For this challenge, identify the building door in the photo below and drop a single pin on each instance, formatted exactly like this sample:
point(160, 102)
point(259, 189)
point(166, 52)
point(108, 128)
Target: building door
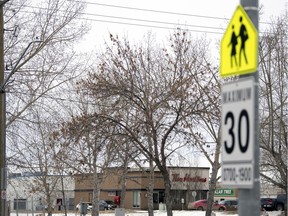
point(136, 199)
point(59, 204)
point(156, 200)
point(156, 197)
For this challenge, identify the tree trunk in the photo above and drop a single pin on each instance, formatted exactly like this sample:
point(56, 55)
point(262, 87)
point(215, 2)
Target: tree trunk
point(64, 196)
point(213, 180)
point(150, 200)
point(212, 187)
point(49, 206)
point(123, 184)
point(168, 198)
point(150, 190)
point(96, 192)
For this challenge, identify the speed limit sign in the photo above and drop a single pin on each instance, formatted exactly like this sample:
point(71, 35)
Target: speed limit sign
point(237, 133)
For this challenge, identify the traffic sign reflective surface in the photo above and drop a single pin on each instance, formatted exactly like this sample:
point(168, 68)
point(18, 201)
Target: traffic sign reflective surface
point(239, 46)
point(237, 133)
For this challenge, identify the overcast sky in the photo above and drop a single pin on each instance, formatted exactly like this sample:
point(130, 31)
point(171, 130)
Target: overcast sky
point(134, 18)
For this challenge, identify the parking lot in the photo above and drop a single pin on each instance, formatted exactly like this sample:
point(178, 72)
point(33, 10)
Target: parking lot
point(156, 213)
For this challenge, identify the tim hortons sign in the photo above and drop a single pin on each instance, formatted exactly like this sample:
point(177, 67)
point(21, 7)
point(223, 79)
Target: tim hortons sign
point(187, 178)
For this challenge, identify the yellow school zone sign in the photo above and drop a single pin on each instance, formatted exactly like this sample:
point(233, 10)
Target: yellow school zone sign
point(239, 46)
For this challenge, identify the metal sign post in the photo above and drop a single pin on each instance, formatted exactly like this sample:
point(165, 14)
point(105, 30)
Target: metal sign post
point(240, 108)
point(249, 199)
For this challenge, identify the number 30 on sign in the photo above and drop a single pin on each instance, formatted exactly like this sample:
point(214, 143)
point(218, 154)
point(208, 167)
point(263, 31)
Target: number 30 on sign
point(237, 136)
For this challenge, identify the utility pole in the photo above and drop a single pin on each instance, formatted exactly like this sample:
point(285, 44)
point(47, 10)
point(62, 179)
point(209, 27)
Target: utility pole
point(3, 82)
point(3, 169)
point(249, 199)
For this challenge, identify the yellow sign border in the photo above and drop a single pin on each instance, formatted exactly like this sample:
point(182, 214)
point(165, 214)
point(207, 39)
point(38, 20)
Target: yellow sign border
point(254, 66)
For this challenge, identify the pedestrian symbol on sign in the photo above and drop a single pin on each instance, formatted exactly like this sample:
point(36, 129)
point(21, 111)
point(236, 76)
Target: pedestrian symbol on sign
point(236, 59)
point(233, 43)
point(243, 36)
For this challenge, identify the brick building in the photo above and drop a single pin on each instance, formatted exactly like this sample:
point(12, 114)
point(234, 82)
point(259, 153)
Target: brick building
point(185, 180)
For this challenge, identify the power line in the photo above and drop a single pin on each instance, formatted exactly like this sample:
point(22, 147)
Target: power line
point(141, 20)
point(131, 8)
point(164, 12)
point(152, 21)
point(140, 9)
point(151, 26)
point(177, 25)
point(138, 20)
point(146, 25)
point(155, 11)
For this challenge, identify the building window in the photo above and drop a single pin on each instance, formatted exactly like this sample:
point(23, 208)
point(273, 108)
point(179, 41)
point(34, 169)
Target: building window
point(20, 204)
point(159, 197)
point(136, 199)
point(112, 193)
point(178, 195)
point(162, 196)
point(71, 204)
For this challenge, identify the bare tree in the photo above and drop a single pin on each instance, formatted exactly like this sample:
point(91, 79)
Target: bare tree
point(35, 156)
point(39, 55)
point(86, 146)
point(127, 156)
point(40, 60)
point(273, 66)
point(206, 129)
point(154, 85)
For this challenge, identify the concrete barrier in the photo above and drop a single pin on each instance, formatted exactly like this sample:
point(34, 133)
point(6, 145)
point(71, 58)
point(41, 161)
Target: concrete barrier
point(119, 212)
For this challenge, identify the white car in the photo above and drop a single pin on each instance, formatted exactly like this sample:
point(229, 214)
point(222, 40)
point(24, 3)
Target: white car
point(102, 206)
point(89, 206)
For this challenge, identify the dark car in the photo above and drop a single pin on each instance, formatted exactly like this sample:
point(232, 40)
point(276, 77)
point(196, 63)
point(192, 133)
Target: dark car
point(268, 203)
point(281, 202)
point(231, 205)
point(103, 205)
point(111, 204)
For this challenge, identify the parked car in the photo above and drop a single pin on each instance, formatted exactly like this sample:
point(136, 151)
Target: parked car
point(268, 203)
point(89, 206)
point(230, 205)
point(111, 204)
point(43, 208)
point(281, 202)
point(103, 205)
point(202, 205)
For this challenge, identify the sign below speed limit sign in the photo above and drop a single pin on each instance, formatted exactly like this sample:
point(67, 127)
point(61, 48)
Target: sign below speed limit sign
point(237, 133)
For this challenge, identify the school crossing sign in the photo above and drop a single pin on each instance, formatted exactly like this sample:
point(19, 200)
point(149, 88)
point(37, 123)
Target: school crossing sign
point(239, 46)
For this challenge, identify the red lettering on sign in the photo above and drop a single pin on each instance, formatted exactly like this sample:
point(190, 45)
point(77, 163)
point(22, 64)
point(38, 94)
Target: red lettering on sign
point(187, 178)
